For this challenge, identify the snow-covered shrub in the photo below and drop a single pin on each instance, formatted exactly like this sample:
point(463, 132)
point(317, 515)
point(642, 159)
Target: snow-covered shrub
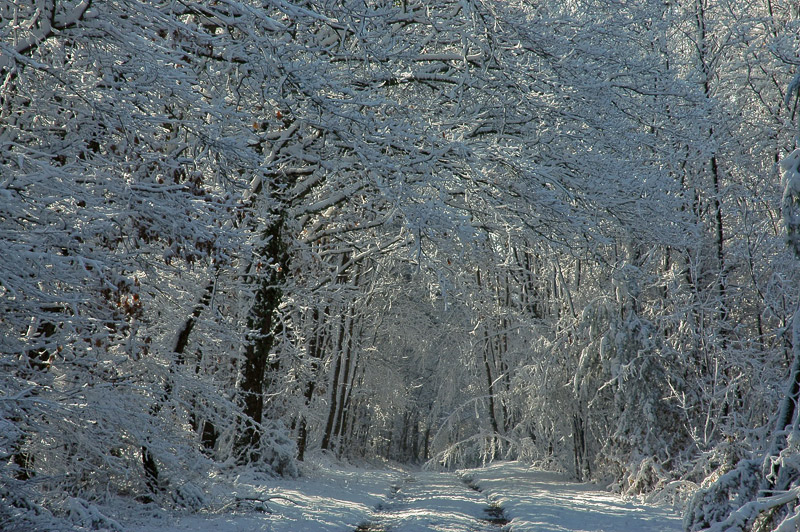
point(763, 494)
point(622, 379)
point(716, 500)
point(279, 450)
point(85, 514)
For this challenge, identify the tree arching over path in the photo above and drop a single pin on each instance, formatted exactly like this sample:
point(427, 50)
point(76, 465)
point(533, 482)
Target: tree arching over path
point(449, 231)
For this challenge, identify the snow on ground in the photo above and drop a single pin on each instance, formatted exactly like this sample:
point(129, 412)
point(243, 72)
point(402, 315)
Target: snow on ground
point(536, 501)
point(433, 502)
point(327, 498)
point(336, 498)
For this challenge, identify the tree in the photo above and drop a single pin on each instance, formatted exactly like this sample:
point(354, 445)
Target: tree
point(120, 181)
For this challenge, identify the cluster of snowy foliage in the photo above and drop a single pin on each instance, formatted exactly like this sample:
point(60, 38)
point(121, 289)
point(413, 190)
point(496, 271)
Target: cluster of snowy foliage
point(762, 493)
point(123, 170)
point(235, 231)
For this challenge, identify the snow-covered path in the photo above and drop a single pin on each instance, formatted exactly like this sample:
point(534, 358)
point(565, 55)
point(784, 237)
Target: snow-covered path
point(538, 501)
point(336, 499)
point(433, 502)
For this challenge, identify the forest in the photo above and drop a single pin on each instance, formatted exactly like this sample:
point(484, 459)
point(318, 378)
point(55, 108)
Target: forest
point(234, 233)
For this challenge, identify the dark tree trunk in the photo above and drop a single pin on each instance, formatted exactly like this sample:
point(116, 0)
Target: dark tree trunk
point(328, 435)
point(150, 470)
point(344, 389)
point(315, 353)
point(333, 407)
point(188, 326)
point(208, 436)
point(415, 440)
point(490, 386)
point(261, 324)
point(489, 381)
point(348, 418)
point(776, 478)
point(582, 466)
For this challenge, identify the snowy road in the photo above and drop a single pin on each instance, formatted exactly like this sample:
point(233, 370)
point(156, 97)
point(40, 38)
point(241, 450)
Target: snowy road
point(333, 498)
point(538, 501)
point(434, 502)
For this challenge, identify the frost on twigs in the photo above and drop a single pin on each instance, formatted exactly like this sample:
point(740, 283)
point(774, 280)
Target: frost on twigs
point(790, 205)
point(713, 503)
point(762, 493)
point(189, 495)
point(83, 513)
point(277, 451)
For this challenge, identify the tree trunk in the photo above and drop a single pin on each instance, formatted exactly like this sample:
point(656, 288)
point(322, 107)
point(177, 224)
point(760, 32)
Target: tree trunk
point(182, 339)
point(151, 477)
point(776, 478)
point(332, 409)
point(315, 354)
point(490, 383)
point(346, 407)
point(582, 465)
point(261, 324)
point(208, 433)
point(344, 388)
point(487, 343)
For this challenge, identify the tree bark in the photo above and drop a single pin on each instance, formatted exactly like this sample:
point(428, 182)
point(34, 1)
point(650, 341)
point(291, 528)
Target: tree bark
point(332, 409)
point(487, 343)
point(344, 388)
point(315, 354)
point(261, 322)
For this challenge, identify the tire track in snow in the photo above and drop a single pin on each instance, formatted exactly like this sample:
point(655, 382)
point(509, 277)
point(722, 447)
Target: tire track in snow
point(434, 502)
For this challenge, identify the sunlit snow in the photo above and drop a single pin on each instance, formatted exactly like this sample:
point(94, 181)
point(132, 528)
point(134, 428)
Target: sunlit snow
point(537, 501)
point(336, 498)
